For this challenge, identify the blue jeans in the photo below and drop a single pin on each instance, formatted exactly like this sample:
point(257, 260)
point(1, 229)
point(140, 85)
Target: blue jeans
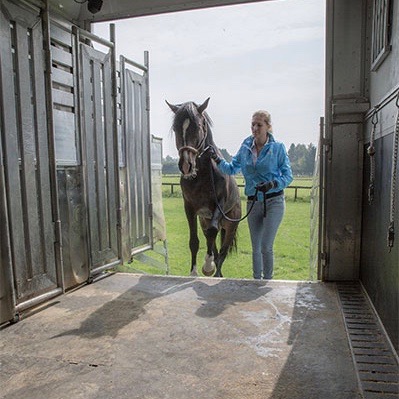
point(263, 231)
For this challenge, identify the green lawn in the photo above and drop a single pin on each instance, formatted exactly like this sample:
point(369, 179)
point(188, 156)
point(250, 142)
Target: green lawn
point(291, 246)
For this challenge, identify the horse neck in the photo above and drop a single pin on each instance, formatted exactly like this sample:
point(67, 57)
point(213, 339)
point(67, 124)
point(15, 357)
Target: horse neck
point(209, 138)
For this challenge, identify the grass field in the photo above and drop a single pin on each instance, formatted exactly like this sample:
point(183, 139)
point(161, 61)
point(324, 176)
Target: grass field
point(291, 246)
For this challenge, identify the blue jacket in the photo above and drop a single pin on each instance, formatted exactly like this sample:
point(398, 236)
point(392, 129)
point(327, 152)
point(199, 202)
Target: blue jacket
point(272, 164)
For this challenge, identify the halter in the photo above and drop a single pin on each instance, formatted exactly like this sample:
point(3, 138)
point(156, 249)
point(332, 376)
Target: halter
point(196, 151)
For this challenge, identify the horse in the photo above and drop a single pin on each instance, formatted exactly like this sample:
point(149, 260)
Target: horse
point(208, 194)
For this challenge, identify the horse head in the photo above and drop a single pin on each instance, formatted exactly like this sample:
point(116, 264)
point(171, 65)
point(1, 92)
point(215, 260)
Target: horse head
point(190, 125)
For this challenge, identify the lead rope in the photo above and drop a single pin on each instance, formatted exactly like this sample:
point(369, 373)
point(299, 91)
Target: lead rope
point(371, 153)
point(216, 198)
point(220, 208)
point(391, 227)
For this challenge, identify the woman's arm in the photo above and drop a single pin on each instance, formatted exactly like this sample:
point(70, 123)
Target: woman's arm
point(230, 168)
point(284, 164)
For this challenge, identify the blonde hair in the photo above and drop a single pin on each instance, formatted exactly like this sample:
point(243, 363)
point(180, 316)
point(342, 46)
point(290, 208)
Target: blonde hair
point(266, 117)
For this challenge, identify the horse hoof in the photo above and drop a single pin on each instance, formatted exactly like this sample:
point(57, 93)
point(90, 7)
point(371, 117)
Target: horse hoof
point(208, 272)
point(209, 267)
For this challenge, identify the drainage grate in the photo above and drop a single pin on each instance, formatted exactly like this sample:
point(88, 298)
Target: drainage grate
point(376, 364)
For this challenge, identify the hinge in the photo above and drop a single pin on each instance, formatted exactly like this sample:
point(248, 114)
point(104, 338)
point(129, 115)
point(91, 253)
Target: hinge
point(323, 259)
point(326, 143)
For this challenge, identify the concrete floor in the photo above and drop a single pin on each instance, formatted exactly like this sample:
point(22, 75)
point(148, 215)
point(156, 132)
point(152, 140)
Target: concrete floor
point(135, 336)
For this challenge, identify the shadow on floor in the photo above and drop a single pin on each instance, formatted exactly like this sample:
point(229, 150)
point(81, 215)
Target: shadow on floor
point(131, 304)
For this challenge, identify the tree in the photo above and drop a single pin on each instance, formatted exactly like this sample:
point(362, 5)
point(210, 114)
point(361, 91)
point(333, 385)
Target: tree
point(302, 159)
point(170, 166)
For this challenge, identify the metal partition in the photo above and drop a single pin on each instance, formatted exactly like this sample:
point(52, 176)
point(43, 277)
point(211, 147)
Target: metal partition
point(27, 159)
point(99, 152)
point(136, 152)
point(60, 157)
point(67, 137)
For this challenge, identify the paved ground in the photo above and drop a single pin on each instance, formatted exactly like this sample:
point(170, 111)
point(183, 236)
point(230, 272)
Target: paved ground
point(134, 336)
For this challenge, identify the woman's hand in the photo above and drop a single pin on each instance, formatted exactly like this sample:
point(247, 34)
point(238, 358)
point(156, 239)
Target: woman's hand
point(265, 186)
point(211, 153)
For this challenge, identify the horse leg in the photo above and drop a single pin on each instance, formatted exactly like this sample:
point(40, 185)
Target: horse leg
point(194, 241)
point(208, 268)
point(214, 223)
point(228, 234)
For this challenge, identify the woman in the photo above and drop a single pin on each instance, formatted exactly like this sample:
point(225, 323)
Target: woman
point(267, 171)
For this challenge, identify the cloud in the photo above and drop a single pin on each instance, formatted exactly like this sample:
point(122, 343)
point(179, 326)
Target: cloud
point(263, 55)
point(190, 36)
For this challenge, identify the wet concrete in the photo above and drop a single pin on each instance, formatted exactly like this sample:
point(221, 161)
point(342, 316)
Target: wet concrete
point(135, 336)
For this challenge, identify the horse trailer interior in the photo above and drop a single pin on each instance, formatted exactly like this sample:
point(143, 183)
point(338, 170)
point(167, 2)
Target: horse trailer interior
point(76, 198)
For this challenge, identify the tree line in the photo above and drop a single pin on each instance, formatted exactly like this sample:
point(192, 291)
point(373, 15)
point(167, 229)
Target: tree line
point(302, 158)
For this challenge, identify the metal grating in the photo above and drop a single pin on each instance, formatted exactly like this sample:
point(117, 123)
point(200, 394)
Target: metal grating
point(374, 358)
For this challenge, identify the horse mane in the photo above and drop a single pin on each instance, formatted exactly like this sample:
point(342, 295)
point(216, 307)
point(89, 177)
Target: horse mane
point(190, 110)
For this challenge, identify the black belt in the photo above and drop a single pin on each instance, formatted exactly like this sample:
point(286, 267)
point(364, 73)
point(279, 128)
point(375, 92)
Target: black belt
point(270, 195)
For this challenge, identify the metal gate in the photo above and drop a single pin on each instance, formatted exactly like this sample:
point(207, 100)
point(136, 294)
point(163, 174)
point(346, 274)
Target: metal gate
point(25, 147)
point(59, 157)
point(100, 155)
point(136, 139)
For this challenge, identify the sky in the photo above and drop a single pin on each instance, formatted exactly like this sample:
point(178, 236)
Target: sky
point(266, 55)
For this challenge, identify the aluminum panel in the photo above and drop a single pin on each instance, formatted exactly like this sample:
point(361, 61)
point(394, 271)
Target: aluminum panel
point(100, 162)
point(26, 159)
point(74, 230)
point(137, 139)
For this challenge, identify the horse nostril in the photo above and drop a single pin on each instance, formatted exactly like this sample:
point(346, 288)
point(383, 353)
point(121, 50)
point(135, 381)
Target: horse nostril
point(185, 167)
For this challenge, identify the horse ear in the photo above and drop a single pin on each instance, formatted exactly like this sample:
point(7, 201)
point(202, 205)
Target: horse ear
point(203, 106)
point(174, 108)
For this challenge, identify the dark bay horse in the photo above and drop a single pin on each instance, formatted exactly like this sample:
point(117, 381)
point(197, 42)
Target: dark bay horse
point(201, 182)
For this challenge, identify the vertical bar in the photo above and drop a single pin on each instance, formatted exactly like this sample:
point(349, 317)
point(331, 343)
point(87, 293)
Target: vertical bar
point(59, 264)
point(26, 151)
point(322, 193)
point(139, 162)
point(82, 139)
point(99, 133)
point(112, 34)
point(147, 88)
